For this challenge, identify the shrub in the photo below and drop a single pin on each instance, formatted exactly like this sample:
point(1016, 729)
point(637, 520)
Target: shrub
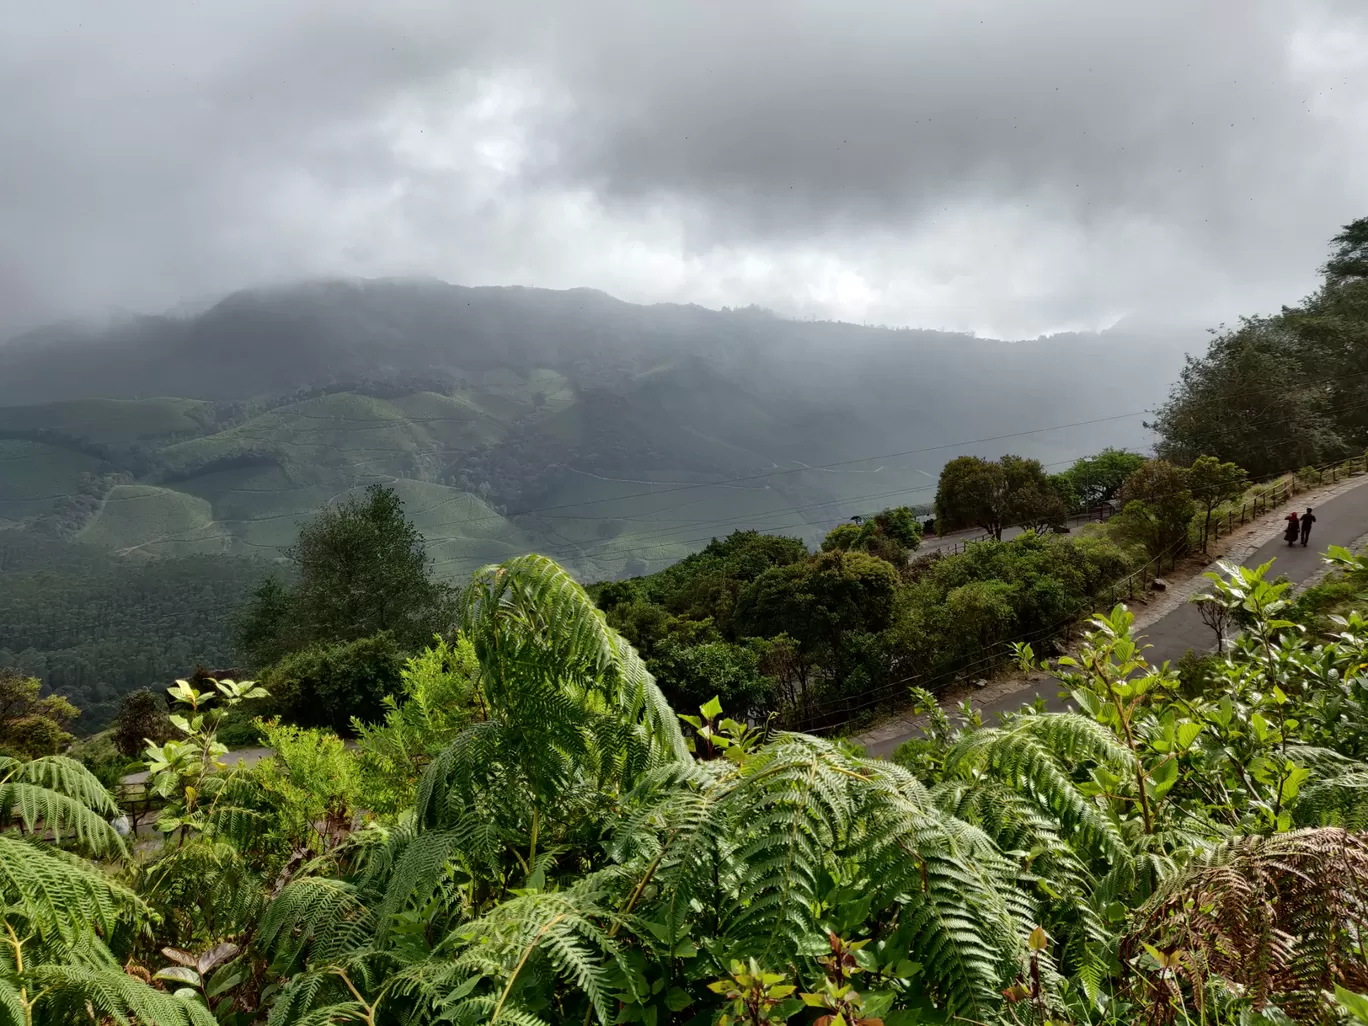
point(327, 685)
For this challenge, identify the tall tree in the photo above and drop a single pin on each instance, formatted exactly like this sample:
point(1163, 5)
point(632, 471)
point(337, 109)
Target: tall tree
point(360, 568)
point(995, 494)
point(1099, 478)
point(1256, 398)
point(1158, 506)
point(1283, 391)
point(1212, 483)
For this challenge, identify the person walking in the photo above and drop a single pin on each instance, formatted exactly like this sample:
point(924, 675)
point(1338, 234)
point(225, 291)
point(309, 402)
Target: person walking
point(1306, 521)
point(1293, 529)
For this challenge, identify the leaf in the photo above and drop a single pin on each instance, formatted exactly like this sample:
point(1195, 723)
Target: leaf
point(225, 983)
point(179, 973)
point(876, 1003)
point(1355, 1004)
point(1165, 775)
point(676, 999)
point(180, 955)
point(1037, 941)
point(216, 956)
point(712, 708)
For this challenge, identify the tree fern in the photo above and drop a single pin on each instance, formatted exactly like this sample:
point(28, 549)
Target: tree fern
point(60, 909)
point(529, 620)
point(1277, 916)
point(322, 916)
point(59, 796)
point(1039, 754)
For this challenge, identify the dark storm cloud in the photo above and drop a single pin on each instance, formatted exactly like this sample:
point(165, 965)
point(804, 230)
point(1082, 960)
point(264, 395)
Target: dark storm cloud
point(1010, 166)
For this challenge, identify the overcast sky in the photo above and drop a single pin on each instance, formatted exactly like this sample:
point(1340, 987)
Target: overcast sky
point(1010, 167)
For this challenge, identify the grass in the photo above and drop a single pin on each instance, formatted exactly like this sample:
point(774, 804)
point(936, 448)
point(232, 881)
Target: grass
point(152, 521)
point(461, 531)
point(112, 420)
point(34, 477)
point(364, 435)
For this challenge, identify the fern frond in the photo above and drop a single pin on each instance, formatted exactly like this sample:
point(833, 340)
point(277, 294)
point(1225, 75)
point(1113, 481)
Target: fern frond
point(113, 993)
point(1278, 916)
point(530, 613)
point(60, 895)
point(41, 809)
point(66, 777)
point(1038, 754)
point(321, 915)
point(1339, 801)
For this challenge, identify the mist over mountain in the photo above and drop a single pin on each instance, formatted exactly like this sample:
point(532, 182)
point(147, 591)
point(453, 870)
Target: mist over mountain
point(875, 382)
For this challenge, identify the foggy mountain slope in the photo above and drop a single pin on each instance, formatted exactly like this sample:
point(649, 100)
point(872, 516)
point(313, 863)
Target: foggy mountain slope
point(611, 435)
point(270, 341)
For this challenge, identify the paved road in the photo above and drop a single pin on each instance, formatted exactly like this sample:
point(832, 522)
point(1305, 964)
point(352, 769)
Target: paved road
point(1339, 521)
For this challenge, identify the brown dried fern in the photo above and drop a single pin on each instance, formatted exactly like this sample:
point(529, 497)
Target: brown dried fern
point(1277, 918)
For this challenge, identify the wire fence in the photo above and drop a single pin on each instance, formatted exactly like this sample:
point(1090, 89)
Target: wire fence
point(834, 714)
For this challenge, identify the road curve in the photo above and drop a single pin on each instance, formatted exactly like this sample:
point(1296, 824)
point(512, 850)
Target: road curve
point(1340, 520)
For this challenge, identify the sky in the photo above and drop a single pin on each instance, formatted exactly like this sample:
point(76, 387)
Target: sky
point(1012, 168)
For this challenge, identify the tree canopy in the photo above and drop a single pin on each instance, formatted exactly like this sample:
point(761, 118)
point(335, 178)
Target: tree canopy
point(1283, 390)
point(1099, 478)
point(995, 494)
point(358, 569)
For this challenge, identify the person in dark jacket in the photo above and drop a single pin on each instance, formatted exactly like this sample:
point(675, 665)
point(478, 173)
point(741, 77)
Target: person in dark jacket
point(1306, 521)
point(1293, 529)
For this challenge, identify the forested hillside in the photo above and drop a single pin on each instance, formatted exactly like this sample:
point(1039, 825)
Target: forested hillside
point(616, 438)
point(506, 798)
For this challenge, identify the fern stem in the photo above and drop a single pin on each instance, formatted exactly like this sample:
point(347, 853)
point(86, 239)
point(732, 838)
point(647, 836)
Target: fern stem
point(508, 988)
point(532, 848)
point(369, 1008)
point(18, 947)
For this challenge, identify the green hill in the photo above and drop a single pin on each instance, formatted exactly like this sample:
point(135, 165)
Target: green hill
point(35, 477)
point(149, 521)
point(615, 438)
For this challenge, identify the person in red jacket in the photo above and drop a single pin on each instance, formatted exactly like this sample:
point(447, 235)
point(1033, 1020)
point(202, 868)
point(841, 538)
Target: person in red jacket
point(1293, 531)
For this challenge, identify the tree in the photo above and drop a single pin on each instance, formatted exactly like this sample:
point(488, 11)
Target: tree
point(971, 492)
point(690, 675)
point(1158, 507)
point(32, 725)
point(1212, 483)
point(142, 718)
point(263, 626)
point(1350, 259)
point(827, 604)
point(360, 568)
point(1283, 391)
point(993, 495)
point(1256, 398)
point(891, 534)
point(1099, 478)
